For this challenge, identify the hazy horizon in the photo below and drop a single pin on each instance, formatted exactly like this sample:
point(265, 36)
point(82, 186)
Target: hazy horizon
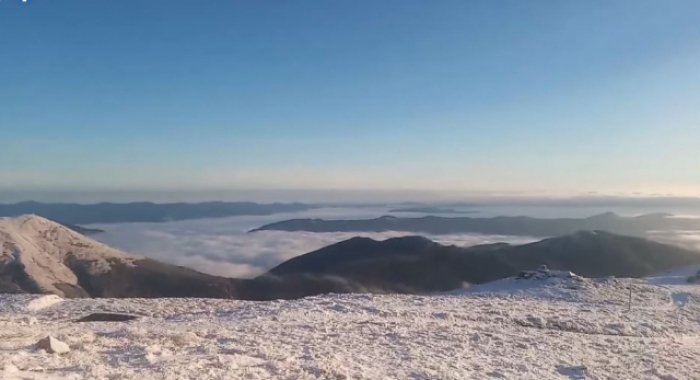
point(368, 197)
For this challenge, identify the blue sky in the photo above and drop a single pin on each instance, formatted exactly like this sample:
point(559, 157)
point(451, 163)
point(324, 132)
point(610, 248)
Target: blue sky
point(536, 97)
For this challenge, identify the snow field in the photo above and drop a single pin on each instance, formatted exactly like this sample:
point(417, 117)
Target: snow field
point(546, 330)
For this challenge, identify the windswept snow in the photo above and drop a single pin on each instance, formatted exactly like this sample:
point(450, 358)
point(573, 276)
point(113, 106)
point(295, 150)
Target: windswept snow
point(42, 302)
point(549, 330)
point(42, 247)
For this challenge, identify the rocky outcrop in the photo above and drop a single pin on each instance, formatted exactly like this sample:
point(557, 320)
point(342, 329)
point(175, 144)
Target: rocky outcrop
point(52, 346)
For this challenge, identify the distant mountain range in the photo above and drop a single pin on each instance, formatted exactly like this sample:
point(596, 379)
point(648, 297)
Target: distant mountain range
point(501, 225)
point(72, 213)
point(432, 210)
point(41, 256)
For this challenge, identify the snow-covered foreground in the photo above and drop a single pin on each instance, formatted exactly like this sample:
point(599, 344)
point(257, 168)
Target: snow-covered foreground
point(513, 329)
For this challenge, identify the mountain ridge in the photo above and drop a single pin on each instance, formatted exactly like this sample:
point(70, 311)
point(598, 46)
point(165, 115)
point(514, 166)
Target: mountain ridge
point(499, 225)
point(429, 266)
point(107, 212)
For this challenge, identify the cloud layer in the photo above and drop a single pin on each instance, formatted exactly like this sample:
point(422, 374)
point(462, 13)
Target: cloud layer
point(223, 246)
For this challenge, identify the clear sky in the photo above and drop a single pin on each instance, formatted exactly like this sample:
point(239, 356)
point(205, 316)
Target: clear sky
point(518, 97)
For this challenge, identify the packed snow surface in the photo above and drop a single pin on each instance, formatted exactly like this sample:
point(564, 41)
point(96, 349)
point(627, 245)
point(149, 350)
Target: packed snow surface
point(553, 328)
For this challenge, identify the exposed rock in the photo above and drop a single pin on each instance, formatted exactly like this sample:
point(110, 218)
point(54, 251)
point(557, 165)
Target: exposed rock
point(543, 273)
point(29, 320)
point(107, 317)
point(52, 345)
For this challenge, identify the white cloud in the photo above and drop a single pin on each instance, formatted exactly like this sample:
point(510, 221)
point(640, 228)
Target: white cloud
point(223, 246)
point(689, 239)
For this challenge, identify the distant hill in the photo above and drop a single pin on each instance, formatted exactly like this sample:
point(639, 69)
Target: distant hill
point(71, 213)
point(501, 225)
point(416, 265)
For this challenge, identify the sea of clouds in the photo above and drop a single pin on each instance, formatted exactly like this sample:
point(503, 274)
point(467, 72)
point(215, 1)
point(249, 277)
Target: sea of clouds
point(224, 246)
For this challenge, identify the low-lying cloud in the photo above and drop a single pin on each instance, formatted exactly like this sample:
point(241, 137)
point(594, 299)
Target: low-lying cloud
point(223, 246)
point(685, 239)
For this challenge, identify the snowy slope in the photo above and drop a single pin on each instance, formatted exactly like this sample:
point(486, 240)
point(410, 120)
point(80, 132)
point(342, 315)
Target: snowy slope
point(556, 332)
point(40, 249)
point(538, 284)
point(678, 276)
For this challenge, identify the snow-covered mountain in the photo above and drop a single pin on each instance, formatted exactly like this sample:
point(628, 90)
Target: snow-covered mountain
point(41, 255)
